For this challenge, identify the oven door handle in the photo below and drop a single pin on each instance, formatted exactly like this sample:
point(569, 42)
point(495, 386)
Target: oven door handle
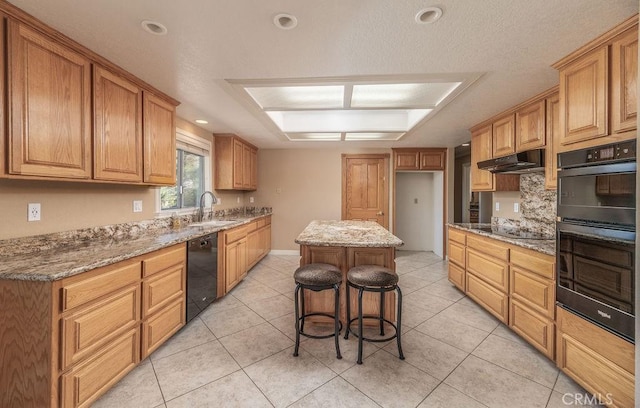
point(628, 167)
point(597, 231)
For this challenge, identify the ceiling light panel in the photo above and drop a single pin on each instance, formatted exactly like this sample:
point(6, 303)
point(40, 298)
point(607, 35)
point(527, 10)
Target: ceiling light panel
point(373, 136)
point(298, 97)
point(401, 95)
point(314, 136)
point(382, 120)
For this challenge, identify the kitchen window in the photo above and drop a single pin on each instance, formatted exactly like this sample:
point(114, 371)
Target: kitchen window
point(193, 174)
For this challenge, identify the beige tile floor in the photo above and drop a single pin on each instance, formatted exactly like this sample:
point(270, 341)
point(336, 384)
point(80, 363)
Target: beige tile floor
point(238, 353)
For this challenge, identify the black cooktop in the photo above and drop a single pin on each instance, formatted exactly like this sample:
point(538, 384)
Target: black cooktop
point(512, 233)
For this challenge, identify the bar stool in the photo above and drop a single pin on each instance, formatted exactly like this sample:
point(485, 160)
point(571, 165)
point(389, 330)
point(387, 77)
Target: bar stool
point(373, 278)
point(317, 277)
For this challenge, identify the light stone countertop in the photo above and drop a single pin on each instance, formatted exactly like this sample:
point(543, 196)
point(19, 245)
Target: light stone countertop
point(83, 255)
point(347, 234)
point(545, 246)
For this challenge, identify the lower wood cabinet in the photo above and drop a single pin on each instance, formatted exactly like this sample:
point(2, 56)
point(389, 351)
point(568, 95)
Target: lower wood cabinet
point(495, 301)
point(68, 341)
point(239, 249)
point(537, 329)
point(598, 360)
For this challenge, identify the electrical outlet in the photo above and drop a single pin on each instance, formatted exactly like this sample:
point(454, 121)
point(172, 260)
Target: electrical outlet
point(516, 207)
point(238, 199)
point(137, 206)
point(219, 201)
point(33, 212)
point(251, 199)
point(278, 190)
point(497, 206)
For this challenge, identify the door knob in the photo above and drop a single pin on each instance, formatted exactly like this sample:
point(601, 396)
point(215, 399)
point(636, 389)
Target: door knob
point(379, 213)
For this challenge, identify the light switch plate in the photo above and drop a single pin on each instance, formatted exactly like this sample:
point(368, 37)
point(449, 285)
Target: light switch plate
point(516, 207)
point(137, 206)
point(497, 206)
point(251, 199)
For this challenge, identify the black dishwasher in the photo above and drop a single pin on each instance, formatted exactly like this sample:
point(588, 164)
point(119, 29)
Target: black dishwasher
point(202, 273)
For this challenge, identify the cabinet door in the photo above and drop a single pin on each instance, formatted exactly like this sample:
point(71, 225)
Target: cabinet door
point(432, 160)
point(624, 64)
point(253, 247)
point(246, 167)
point(481, 141)
point(50, 115)
point(159, 141)
point(161, 326)
point(583, 96)
point(235, 263)
point(553, 135)
point(504, 136)
point(117, 142)
point(530, 127)
point(407, 161)
point(238, 167)
point(254, 170)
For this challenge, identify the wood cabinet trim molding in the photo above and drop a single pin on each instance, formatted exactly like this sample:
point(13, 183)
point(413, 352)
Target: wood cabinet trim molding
point(601, 40)
point(17, 14)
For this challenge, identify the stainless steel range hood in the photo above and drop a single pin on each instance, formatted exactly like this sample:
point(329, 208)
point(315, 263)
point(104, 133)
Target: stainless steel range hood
point(524, 162)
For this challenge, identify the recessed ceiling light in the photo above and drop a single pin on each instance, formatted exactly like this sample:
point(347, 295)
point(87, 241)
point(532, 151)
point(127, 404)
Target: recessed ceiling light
point(466, 144)
point(285, 21)
point(154, 27)
point(202, 121)
point(429, 15)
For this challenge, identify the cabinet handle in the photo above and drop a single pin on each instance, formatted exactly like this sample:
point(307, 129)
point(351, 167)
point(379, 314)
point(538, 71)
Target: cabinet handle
point(379, 213)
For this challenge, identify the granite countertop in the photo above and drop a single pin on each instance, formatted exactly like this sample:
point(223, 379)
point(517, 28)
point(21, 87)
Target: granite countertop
point(82, 254)
point(347, 234)
point(545, 246)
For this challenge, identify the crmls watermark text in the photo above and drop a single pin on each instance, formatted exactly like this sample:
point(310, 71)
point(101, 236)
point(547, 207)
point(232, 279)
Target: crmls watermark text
point(587, 399)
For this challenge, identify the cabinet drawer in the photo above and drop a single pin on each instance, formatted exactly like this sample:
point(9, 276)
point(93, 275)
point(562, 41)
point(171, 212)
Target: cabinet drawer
point(493, 271)
point(161, 289)
point(235, 234)
point(538, 293)
point(84, 288)
point(595, 373)
point(533, 327)
point(457, 254)
point(85, 383)
point(86, 330)
point(157, 329)
point(457, 236)
point(541, 264)
point(267, 220)
point(491, 299)
point(252, 226)
point(456, 276)
point(262, 222)
point(163, 259)
point(489, 247)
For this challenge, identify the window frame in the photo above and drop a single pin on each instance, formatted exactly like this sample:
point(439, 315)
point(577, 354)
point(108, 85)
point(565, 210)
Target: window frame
point(192, 144)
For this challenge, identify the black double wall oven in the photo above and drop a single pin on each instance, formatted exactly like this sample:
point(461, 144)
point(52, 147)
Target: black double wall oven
point(596, 233)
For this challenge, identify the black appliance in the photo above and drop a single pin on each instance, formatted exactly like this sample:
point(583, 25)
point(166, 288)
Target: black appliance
point(596, 235)
point(523, 162)
point(202, 273)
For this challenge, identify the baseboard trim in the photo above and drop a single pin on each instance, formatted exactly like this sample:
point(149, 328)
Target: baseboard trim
point(284, 252)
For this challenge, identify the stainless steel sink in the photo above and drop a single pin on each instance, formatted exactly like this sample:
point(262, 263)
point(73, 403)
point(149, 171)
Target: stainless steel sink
point(213, 223)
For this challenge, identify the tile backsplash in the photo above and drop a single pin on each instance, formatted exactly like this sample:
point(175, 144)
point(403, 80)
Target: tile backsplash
point(537, 207)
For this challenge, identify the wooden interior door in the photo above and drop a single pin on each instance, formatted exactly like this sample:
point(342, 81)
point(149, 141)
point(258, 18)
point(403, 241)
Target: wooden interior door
point(365, 187)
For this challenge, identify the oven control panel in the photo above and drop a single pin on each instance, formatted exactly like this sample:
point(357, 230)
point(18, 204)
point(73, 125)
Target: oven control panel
point(626, 150)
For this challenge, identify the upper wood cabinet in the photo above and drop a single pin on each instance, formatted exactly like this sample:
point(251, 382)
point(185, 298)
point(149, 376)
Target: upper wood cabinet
point(159, 140)
point(63, 123)
point(624, 76)
point(236, 163)
point(117, 143)
point(481, 142)
point(530, 126)
point(603, 70)
point(419, 159)
point(503, 136)
point(553, 134)
point(49, 90)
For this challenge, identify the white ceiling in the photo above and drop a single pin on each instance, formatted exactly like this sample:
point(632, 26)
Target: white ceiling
point(512, 42)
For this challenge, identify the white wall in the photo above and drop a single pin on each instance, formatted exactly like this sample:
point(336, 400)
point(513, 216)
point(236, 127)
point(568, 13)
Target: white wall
point(420, 223)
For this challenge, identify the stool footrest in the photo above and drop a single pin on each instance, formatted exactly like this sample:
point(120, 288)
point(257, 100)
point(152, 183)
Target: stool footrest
point(326, 336)
point(395, 334)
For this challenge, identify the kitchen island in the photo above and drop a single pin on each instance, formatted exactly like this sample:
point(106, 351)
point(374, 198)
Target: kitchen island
point(346, 244)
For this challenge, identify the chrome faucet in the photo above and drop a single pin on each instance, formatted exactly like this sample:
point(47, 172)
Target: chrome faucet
point(200, 215)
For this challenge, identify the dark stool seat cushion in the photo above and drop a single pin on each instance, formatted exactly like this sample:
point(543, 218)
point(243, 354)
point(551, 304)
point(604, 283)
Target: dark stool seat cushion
point(317, 274)
point(372, 276)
